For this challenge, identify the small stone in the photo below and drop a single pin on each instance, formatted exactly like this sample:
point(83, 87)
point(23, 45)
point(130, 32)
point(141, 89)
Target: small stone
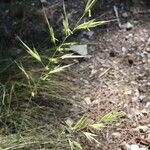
point(128, 26)
point(147, 105)
point(93, 72)
point(142, 129)
point(95, 101)
point(127, 146)
point(80, 49)
point(148, 49)
point(130, 35)
point(144, 111)
point(143, 148)
point(124, 50)
point(74, 97)
point(69, 122)
point(117, 124)
point(33, 4)
point(130, 116)
point(129, 92)
point(116, 135)
point(135, 21)
point(125, 15)
point(86, 82)
point(134, 147)
point(87, 100)
point(141, 97)
point(136, 95)
point(81, 79)
point(142, 39)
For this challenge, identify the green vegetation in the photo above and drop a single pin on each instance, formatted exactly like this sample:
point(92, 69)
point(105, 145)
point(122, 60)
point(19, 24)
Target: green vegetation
point(82, 128)
point(32, 80)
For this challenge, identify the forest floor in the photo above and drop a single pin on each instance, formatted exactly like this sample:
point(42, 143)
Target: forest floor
point(115, 78)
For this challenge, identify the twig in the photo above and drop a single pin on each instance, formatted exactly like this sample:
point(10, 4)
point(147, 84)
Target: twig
point(148, 42)
point(102, 74)
point(117, 16)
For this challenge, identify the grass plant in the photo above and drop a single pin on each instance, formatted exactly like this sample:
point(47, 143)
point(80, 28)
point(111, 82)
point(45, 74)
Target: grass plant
point(31, 85)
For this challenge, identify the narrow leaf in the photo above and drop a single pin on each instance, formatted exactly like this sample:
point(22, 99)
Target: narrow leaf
point(33, 52)
point(58, 69)
point(51, 31)
point(110, 117)
point(89, 6)
point(3, 95)
point(97, 126)
point(90, 24)
point(91, 137)
point(77, 145)
point(81, 124)
point(55, 70)
point(70, 43)
point(71, 56)
point(66, 22)
point(23, 70)
point(74, 145)
point(71, 144)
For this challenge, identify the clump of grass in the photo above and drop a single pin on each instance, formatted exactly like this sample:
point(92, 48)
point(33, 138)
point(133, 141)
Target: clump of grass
point(34, 139)
point(66, 137)
point(20, 92)
point(25, 84)
point(88, 131)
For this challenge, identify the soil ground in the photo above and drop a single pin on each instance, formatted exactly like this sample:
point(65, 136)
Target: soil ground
point(112, 83)
point(115, 78)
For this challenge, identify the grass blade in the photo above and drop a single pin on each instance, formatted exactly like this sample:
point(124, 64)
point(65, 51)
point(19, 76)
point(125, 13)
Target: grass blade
point(71, 144)
point(91, 137)
point(77, 145)
point(89, 6)
point(33, 52)
point(90, 24)
point(54, 71)
point(81, 124)
point(66, 22)
point(51, 31)
point(97, 126)
point(110, 117)
point(74, 145)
